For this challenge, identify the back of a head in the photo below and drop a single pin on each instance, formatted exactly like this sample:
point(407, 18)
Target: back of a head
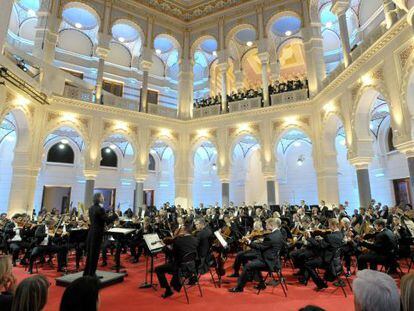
point(407, 292)
point(375, 291)
point(81, 295)
point(311, 308)
point(5, 268)
point(31, 294)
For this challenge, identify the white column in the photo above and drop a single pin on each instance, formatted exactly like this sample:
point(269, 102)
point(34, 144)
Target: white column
point(223, 74)
point(185, 89)
point(5, 13)
point(145, 66)
point(313, 45)
point(47, 31)
point(102, 53)
point(264, 59)
point(139, 195)
point(364, 186)
point(339, 8)
point(23, 184)
point(274, 70)
point(238, 74)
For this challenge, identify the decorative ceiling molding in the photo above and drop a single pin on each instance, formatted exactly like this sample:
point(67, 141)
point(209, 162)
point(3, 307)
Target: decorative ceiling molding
point(191, 10)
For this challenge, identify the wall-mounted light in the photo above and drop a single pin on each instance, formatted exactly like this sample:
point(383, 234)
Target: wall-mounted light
point(64, 141)
point(108, 150)
point(78, 25)
point(121, 39)
point(22, 101)
point(297, 143)
point(249, 43)
point(214, 167)
point(300, 160)
point(328, 25)
point(367, 80)
point(288, 33)
point(158, 51)
point(291, 120)
point(112, 146)
point(214, 53)
point(62, 146)
point(31, 13)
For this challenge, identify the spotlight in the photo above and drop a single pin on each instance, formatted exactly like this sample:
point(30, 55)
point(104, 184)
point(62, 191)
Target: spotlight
point(31, 13)
point(249, 43)
point(78, 25)
point(214, 53)
point(62, 146)
point(328, 25)
point(214, 166)
point(108, 150)
point(300, 161)
point(64, 141)
point(158, 51)
point(121, 39)
point(288, 33)
point(112, 146)
point(297, 144)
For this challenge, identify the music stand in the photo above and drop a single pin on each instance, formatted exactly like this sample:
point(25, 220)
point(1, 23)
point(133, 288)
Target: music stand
point(154, 246)
point(119, 235)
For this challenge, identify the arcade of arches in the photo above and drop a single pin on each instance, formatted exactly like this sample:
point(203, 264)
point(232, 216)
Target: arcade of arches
point(306, 100)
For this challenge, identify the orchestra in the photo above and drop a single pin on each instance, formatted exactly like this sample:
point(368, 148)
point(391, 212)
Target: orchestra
point(258, 237)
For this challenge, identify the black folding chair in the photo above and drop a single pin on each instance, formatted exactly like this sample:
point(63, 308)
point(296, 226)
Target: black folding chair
point(336, 269)
point(271, 272)
point(188, 273)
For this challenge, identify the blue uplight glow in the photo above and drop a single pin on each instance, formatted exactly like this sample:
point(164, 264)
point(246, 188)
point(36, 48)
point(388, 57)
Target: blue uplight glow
point(285, 24)
point(80, 16)
point(127, 32)
point(163, 44)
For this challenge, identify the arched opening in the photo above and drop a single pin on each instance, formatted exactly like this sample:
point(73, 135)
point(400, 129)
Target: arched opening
point(206, 184)
point(160, 183)
point(8, 138)
point(61, 152)
point(247, 182)
point(60, 181)
point(295, 170)
point(205, 52)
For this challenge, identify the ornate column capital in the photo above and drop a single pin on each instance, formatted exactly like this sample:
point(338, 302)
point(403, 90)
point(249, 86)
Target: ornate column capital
point(360, 163)
point(90, 174)
point(339, 7)
point(102, 52)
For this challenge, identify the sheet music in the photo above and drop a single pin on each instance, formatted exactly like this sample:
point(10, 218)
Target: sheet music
point(221, 239)
point(153, 241)
point(121, 230)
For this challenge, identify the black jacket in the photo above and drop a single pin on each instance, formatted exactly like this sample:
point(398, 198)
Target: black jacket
point(329, 245)
point(269, 249)
point(385, 243)
point(203, 238)
point(182, 246)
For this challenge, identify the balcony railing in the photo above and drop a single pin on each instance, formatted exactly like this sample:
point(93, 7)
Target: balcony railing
point(206, 111)
point(162, 111)
point(289, 97)
point(78, 93)
point(245, 104)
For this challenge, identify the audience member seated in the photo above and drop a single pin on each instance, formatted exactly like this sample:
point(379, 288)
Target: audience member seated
point(7, 283)
point(31, 294)
point(407, 292)
point(375, 291)
point(311, 308)
point(206, 102)
point(81, 295)
point(278, 87)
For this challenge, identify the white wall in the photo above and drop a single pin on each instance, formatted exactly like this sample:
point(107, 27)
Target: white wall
point(297, 182)
point(6, 170)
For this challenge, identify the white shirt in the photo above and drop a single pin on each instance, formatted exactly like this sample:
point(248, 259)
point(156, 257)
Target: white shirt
point(17, 237)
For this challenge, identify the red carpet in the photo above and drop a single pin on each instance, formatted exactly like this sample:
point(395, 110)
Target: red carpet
point(127, 296)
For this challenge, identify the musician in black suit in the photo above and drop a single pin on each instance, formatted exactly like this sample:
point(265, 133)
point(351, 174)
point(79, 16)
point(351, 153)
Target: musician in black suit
point(98, 219)
point(183, 245)
point(382, 250)
point(203, 236)
point(326, 247)
point(268, 255)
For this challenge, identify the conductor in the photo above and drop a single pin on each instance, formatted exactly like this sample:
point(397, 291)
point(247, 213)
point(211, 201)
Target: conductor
point(98, 219)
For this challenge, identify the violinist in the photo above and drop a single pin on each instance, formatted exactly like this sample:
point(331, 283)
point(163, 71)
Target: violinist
point(402, 235)
point(268, 255)
point(44, 234)
point(350, 247)
point(382, 250)
point(325, 249)
point(243, 257)
point(203, 235)
point(182, 245)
